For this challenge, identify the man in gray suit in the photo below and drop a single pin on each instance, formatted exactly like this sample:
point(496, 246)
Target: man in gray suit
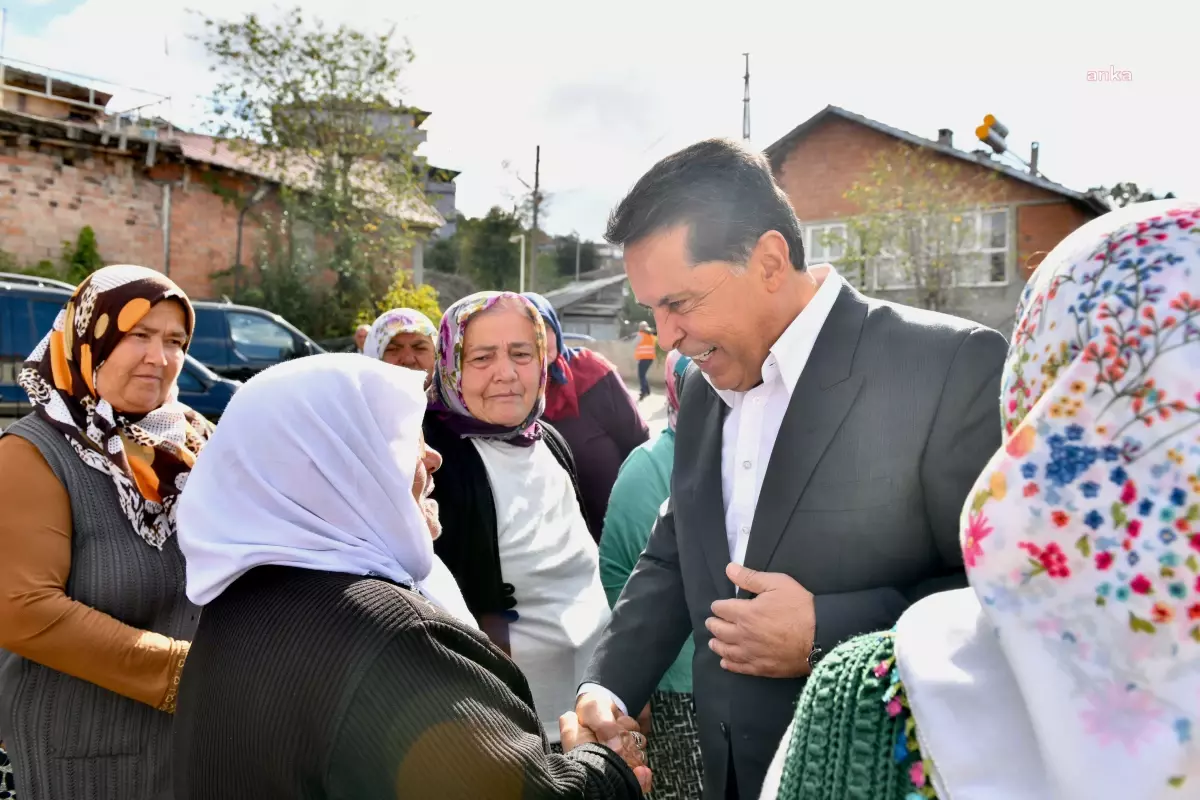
point(820, 467)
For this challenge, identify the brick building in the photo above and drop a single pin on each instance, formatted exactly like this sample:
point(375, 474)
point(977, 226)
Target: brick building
point(149, 192)
point(822, 158)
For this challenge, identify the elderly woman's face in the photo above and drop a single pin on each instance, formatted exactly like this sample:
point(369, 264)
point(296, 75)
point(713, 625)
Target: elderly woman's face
point(428, 462)
point(412, 350)
point(138, 375)
point(501, 371)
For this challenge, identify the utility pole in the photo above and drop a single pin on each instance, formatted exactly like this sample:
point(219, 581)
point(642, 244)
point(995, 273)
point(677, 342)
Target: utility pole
point(746, 102)
point(537, 201)
point(577, 246)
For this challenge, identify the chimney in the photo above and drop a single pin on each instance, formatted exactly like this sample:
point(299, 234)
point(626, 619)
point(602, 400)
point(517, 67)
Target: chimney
point(946, 137)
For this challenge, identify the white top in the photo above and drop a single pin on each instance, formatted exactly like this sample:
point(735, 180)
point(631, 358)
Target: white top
point(547, 554)
point(751, 427)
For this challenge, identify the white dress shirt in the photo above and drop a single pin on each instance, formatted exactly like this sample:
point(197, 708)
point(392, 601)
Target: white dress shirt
point(752, 425)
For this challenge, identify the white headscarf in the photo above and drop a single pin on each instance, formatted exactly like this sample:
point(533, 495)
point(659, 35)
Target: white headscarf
point(1071, 668)
point(312, 466)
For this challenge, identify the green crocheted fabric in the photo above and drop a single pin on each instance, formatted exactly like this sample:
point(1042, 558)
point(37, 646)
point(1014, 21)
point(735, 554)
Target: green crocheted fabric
point(853, 737)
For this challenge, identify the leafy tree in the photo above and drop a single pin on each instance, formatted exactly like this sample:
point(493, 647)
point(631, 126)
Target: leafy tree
point(83, 258)
point(564, 254)
point(487, 254)
point(405, 294)
point(1124, 194)
point(317, 111)
point(444, 256)
point(916, 224)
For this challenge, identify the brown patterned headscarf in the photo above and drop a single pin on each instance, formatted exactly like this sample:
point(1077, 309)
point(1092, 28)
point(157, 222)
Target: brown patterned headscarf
point(148, 456)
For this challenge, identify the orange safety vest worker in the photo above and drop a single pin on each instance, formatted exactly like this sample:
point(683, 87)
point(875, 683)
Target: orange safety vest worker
point(645, 347)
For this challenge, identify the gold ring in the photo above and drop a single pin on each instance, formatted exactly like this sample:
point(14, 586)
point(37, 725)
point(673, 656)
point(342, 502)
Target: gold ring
point(639, 741)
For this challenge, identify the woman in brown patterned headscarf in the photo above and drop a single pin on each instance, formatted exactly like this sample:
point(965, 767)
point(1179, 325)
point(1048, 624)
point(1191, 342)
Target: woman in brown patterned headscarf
point(93, 614)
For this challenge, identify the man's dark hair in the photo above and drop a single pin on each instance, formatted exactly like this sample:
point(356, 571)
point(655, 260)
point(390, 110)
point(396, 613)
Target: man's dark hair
point(723, 191)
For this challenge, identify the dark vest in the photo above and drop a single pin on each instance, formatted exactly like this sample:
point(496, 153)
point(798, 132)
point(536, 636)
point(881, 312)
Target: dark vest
point(70, 739)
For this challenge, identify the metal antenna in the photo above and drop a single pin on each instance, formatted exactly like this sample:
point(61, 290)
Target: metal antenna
point(746, 102)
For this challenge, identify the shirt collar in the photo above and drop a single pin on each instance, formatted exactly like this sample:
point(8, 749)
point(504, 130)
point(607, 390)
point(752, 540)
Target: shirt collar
point(791, 350)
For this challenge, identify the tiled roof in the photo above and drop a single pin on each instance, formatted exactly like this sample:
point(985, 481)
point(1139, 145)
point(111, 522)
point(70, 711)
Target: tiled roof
point(778, 151)
point(298, 175)
point(577, 292)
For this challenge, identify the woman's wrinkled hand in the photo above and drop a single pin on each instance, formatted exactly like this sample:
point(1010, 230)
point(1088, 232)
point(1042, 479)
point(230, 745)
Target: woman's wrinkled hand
point(630, 744)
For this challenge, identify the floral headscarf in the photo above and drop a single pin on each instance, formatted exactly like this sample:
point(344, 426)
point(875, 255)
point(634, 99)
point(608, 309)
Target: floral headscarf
point(394, 322)
point(447, 380)
point(1081, 538)
point(677, 364)
point(149, 456)
point(558, 372)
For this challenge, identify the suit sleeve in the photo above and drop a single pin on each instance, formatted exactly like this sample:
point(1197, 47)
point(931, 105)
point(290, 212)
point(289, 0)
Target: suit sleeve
point(965, 434)
point(649, 624)
point(428, 719)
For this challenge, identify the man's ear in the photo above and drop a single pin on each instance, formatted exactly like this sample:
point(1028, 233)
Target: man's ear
point(771, 256)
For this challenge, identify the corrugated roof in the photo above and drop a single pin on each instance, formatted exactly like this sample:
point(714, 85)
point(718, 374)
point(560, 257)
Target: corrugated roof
point(298, 175)
point(576, 292)
point(778, 151)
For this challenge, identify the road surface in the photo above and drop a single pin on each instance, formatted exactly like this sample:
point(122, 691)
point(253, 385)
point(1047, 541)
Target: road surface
point(653, 408)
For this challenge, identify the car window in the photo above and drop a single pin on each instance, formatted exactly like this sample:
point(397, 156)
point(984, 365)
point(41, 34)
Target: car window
point(188, 382)
point(208, 340)
point(259, 338)
point(44, 314)
point(19, 339)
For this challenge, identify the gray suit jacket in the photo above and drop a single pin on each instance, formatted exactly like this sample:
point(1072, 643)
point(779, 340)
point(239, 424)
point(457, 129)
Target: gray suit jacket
point(892, 420)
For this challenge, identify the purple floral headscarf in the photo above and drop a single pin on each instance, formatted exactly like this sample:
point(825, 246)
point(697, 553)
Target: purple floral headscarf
point(394, 322)
point(447, 397)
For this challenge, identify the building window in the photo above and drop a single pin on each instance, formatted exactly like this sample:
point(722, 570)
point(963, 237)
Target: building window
point(824, 243)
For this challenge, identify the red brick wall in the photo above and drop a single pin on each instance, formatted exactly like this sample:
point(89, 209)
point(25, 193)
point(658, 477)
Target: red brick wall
point(827, 162)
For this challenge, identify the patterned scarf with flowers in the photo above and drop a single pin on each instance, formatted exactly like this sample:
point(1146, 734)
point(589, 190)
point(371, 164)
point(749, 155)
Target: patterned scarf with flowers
point(446, 393)
point(1081, 538)
point(147, 456)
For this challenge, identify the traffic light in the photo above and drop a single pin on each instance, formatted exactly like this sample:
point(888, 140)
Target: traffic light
point(992, 133)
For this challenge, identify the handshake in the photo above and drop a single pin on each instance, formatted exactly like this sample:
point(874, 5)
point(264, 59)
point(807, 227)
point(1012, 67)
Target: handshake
point(598, 720)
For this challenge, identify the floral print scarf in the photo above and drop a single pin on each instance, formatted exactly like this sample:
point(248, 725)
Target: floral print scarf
point(394, 322)
point(147, 456)
point(677, 364)
point(1081, 538)
point(447, 398)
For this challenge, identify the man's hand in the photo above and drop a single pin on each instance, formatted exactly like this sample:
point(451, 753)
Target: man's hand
point(769, 636)
point(630, 745)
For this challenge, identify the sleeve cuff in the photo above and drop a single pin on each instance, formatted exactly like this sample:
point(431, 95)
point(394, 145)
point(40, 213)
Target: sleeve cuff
point(179, 654)
point(595, 688)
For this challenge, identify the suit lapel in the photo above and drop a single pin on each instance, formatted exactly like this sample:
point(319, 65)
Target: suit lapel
point(707, 498)
point(823, 396)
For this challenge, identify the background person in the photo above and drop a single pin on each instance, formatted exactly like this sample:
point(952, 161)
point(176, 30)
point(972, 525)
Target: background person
point(94, 622)
point(514, 532)
point(403, 337)
point(336, 657)
point(645, 352)
point(588, 404)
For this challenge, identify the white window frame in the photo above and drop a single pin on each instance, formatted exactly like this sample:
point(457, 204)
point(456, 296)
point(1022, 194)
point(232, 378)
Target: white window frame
point(812, 236)
point(987, 250)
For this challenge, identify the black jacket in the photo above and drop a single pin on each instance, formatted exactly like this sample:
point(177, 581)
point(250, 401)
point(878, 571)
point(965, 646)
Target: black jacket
point(468, 544)
point(305, 685)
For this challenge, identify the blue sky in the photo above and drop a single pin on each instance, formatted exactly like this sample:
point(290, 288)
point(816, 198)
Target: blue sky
point(607, 89)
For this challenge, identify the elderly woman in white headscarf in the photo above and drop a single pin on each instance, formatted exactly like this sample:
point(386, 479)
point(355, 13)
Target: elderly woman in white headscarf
point(336, 657)
point(403, 337)
point(1071, 667)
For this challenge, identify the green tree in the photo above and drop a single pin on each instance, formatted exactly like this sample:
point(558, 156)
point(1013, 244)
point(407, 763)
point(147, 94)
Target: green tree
point(1124, 194)
point(317, 111)
point(444, 256)
point(488, 256)
point(405, 294)
point(82, 258)
point(564, 255)
point(917, 225)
